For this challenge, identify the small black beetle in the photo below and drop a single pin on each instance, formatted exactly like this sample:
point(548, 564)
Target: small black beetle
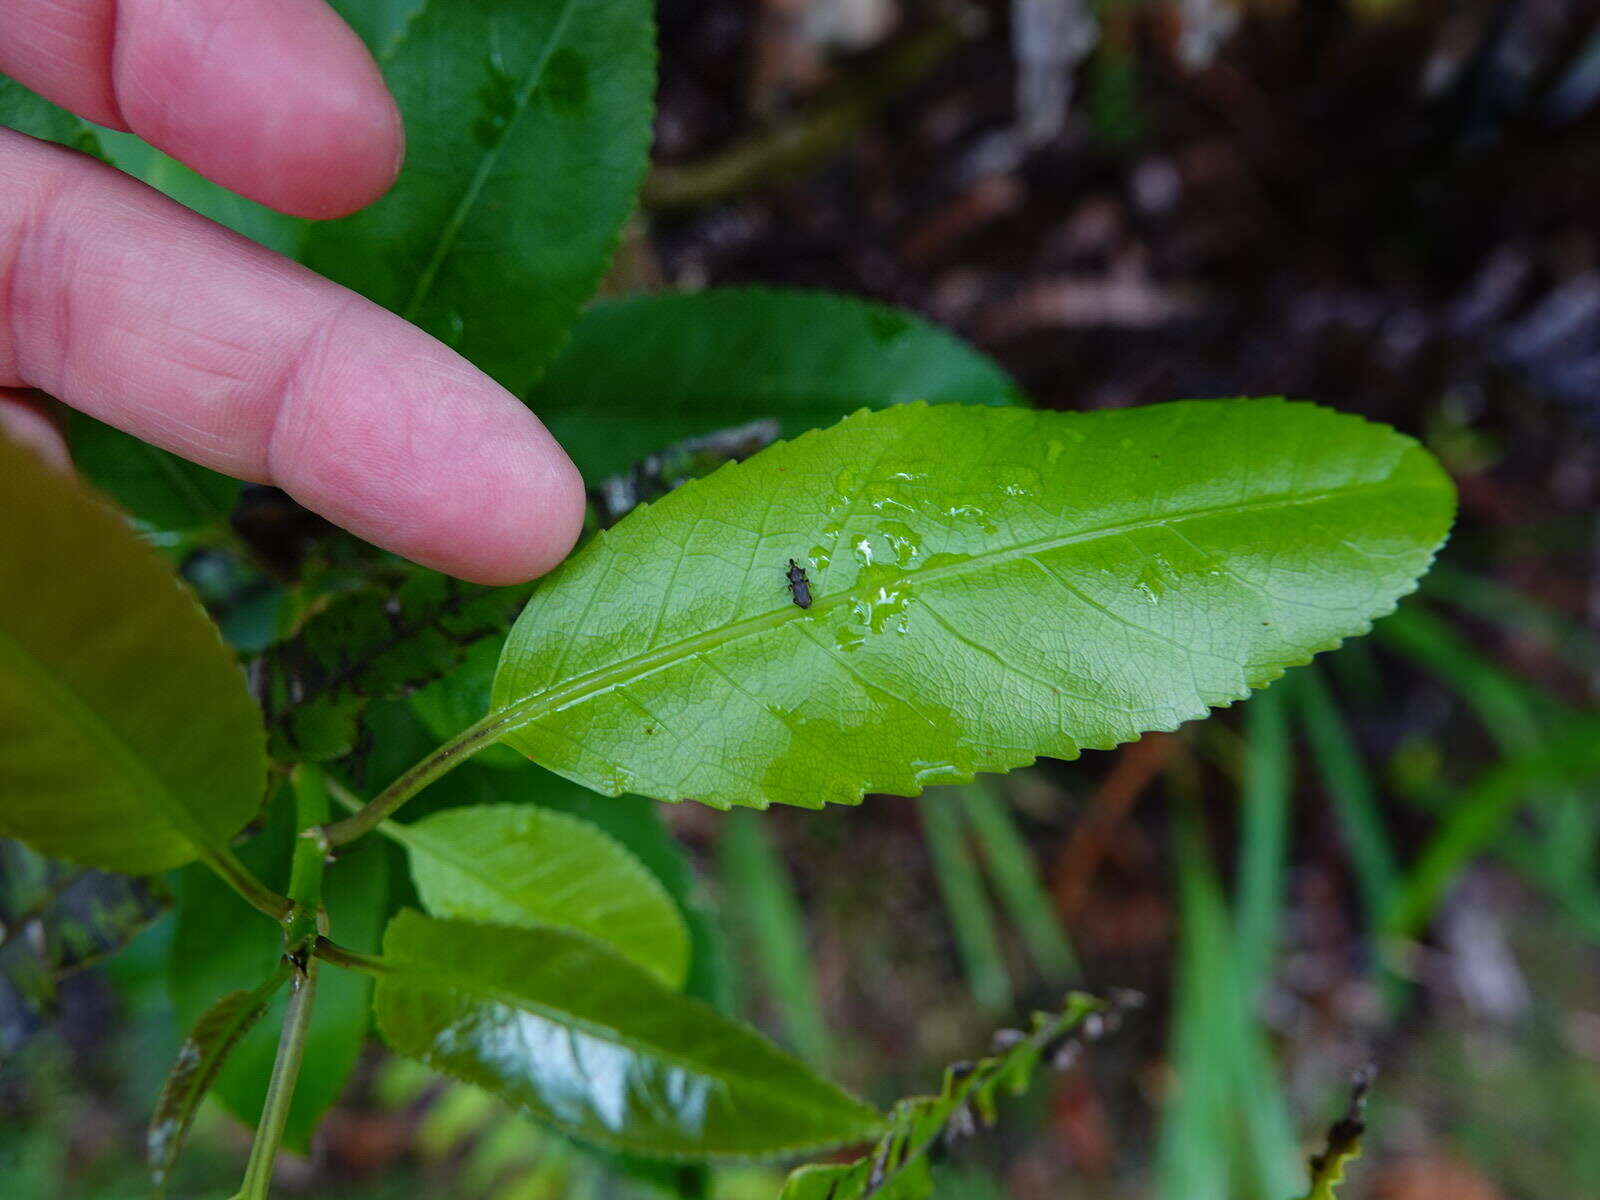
point(799, 585)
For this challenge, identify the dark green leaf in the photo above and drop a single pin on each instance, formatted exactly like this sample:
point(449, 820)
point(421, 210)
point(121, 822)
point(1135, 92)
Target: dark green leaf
point(131, 741)
point(989, 585)
point(647, 371)
point(517, 864)
point(369, 645)
point(527, 132)
point(897, 1167)
point(54, 920)
point(200, 1057)
point(161, 490)
point(222, 944)
point(580, 1037)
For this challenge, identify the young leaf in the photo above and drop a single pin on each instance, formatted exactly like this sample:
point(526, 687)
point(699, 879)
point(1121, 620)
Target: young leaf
point(366, 646)
point(200, 1057)
point(647, 371)
point(987, 584)
point(516, 864)
point(582, 1038)
point(527, 132)
point(898, 1166)
point(131, 741)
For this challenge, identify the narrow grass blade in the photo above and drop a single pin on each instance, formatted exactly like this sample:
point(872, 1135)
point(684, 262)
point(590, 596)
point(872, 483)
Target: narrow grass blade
point(1016, 878)
point(1351, 790)
point(760, 899)
point(1263, 835)
point(1479, 817)
point(1227, 1134)
point(965, 899)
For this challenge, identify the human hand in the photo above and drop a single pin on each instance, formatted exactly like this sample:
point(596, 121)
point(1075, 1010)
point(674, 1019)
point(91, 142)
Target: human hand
point(147, 316)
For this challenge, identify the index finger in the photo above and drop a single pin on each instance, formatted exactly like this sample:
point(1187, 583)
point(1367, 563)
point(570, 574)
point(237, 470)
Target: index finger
point(130, 307)
point(277, 100)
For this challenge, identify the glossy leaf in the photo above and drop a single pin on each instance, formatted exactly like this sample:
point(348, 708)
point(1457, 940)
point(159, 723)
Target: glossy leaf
point(161, 490)
point(641, 373)
point(988, 585)
point(200, 1057)
point(527, 131)
point(897, 1167)
point(369, 645)
point(56, 919)
point(221, 944)
point(580, 1037)
point(131, 741)
point(516, 864)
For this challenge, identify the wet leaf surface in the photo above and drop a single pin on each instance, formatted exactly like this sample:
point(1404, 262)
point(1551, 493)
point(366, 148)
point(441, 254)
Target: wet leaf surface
point(580, 1037)
point(988, 585)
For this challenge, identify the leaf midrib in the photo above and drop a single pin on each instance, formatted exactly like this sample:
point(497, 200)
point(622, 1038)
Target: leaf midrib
point(491, 159)
point(605, 679)
point(81, 714)
point(435, 978)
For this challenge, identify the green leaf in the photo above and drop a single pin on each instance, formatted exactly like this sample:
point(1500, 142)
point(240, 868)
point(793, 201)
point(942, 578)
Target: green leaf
point(527, 131)
point(898, 1166)
point(643, 372)
point(515, 864)
point(379, 23)
point(221, 944)
point(161, 490)
point(56, 919)
point(580, 1037)
point(366, 646)
point(131, 741)
point(29, 113)
point(988, 584)
point(200, 1057)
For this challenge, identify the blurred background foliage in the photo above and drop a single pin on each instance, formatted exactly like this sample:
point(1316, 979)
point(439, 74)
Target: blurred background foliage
point(1388, 206)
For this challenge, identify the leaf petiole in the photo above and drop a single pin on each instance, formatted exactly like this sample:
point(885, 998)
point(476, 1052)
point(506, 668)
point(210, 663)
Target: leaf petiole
point(351, 960)
point(442, 760)
point(238, 876)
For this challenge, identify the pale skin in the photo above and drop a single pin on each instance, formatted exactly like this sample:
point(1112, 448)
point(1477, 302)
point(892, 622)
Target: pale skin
point(125, 305)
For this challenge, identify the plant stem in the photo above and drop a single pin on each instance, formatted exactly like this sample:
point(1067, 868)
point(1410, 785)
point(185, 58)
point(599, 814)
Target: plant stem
point(237, 876)
point(303, 922)
point(448, 756)
point(280, 1091)
point(351, 960)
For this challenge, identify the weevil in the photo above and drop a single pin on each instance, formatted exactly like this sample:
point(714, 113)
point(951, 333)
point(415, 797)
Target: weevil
point(799, 585)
